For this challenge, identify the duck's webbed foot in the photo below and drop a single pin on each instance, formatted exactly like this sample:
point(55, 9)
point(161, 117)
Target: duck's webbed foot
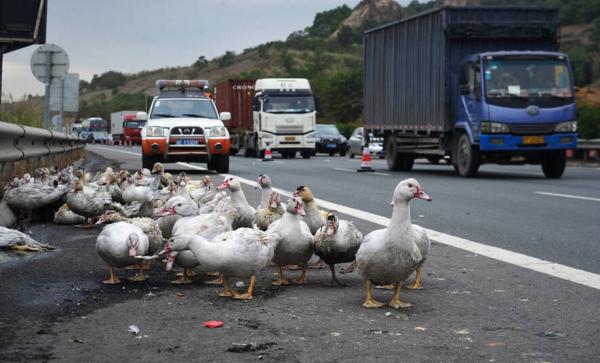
point(318, 265)
point(417, 284)
point(139, 276)
point(334, 280)
point(184, 279)
point(302, 279)
point(227, 292)
point(369, 301)
point(280, 281)
point(113, 279)
point(395, 302)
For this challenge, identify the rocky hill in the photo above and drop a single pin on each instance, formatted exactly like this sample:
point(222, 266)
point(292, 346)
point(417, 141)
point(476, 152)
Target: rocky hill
point(371, 11)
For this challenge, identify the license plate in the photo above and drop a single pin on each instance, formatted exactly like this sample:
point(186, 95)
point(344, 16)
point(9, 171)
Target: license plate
point(533, 140)
point(331, 146)
point(290, 138)
point(187, 142)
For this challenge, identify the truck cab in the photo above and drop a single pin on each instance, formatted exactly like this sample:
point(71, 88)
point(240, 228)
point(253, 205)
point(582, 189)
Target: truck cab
point(284, 117)
point(184, 125)
point(514, 107)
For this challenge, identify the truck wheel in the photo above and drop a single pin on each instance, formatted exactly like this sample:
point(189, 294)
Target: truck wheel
point(219, 163)
point(233, 151)
point(467, 157)
point(398, 161)
point(306, 154)
point(554, 164)
point(433, 159)
point(343, 152)
point(149, 161)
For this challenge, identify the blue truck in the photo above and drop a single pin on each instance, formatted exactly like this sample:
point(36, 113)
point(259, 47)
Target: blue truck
point(471, 85)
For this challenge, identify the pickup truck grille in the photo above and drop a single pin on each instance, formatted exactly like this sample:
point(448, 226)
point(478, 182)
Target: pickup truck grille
point(532, 129)
point(186, 131)
point(289, 130)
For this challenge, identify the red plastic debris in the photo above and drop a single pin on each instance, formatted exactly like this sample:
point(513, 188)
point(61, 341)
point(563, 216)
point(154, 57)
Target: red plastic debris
point(213, 324)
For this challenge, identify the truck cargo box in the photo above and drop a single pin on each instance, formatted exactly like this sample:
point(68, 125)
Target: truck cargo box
point(412, 65)
point(235, 96)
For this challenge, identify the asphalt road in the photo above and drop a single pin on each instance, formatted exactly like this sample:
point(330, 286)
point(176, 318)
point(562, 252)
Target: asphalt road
point(471, 309)
point(503, 207)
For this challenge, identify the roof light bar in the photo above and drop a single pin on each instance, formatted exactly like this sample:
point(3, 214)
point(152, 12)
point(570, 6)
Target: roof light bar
point(181, 83)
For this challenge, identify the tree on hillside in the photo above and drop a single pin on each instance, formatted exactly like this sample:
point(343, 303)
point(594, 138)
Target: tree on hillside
point(327, 22)
point(226, 59)
point(341, 99)
point(200, 63)
point(107, 80)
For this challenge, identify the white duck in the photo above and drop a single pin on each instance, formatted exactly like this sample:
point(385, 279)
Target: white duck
point(205, 192)
point(390, 255)
point(264, 183)
point(241, 253)
point(148, 225)
point(118, 244)
point(29, 197)
point(181, 208)
point(315, 218)
point(64, 215)
point(19, 241)
point(272, 211)
point(87, 202)
point(245, 211)
point(337, 242)
point(295, 246)
point(134, 193)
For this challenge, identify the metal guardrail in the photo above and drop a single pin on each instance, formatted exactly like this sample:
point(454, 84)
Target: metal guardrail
point(588, 144)
point(22, 142)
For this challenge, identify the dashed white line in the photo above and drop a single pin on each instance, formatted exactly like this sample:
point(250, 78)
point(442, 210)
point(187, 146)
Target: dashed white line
point(569, 196)
point(577, 276)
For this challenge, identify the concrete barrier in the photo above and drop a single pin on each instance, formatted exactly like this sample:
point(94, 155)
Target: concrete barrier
point(24, 148)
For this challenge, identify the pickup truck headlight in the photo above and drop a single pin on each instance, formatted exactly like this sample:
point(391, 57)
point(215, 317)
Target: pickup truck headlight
point(570, 126)
point(155, 131)
point(488, 127)
point(218, 131)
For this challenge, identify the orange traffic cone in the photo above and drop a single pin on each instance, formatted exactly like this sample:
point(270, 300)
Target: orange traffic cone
point(365, 164)
point(268, 154)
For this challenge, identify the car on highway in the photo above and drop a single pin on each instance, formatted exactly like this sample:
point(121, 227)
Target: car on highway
point(356, 142)
point(328, 139)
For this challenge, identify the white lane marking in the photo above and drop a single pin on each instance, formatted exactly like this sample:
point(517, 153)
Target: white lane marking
point(569, 196)
point(116, 150)
point(577, 276)
point(344, 169)
point(378, 173)
point(192, 166)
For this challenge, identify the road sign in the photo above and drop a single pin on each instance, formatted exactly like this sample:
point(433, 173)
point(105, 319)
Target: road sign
point(49, 63)
point(57, 122)
point(65, 92)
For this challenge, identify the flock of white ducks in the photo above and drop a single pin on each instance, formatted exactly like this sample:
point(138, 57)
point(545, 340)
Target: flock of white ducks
point(151, 215)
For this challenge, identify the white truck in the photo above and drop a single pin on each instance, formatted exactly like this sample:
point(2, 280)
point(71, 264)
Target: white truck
point(284, 116)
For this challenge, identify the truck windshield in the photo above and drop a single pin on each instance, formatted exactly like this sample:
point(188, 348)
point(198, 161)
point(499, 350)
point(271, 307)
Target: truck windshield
point(528, 78)
point(288, 104)
point(183, 108)
point(134, 124)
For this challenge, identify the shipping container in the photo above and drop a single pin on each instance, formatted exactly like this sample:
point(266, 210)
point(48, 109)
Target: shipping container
point(235, 96)
point(412, 65)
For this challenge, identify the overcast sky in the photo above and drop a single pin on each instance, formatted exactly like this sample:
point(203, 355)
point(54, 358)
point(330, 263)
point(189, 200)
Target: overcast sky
point(135, 35)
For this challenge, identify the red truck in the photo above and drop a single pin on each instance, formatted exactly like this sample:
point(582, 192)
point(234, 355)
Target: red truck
point(126, 126)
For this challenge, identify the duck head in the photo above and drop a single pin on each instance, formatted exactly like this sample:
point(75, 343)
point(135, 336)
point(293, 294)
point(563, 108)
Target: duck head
point(180, 206)
point(158, 168)
point(408, 189)
point(39, 173)
point(182, 177)
point(294, 206)
point(26, 178)
point(145, 172)
point(132, 242)
point(207, 180)
point(305, 193)
point(77, 185)
point(264, 181)
point(110, 216)
point(230, 183)
point(53, 170)
point(331, 225)
point(172, 248)
point(274, 200)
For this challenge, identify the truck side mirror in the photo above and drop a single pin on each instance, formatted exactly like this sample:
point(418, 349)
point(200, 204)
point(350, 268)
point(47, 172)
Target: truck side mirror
point(142, 116)
point(225, 116)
